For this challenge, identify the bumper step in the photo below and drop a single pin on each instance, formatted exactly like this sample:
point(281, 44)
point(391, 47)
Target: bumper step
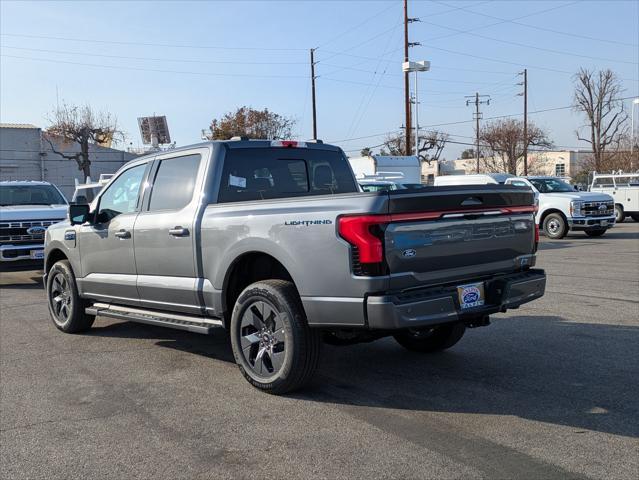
point(190, 323)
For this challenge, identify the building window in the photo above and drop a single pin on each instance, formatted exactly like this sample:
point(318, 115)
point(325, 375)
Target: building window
point(560, 170)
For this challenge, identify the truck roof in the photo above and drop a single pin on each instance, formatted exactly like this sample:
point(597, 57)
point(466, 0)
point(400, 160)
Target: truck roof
point(21, 183)
point(243, 142)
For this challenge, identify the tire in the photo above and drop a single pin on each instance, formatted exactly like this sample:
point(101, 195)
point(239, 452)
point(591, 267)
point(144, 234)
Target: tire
point(433, 339)
point(65, 305)
point(635, 216)
point(272, 343)
point(555, 226)
point(596, 233)
point(620, 215)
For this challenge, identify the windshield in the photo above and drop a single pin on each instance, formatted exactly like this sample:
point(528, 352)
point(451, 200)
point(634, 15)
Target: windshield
point(551, 185)
point(30, 195)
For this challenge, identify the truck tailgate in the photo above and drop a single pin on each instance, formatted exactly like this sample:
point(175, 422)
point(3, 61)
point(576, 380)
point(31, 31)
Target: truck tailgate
point(448, 234)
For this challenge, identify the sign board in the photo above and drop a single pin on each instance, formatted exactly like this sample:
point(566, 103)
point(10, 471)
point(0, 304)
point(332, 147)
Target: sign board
point(154, 130)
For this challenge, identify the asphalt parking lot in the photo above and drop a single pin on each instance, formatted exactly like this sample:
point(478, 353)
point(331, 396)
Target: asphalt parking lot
point(547, 391)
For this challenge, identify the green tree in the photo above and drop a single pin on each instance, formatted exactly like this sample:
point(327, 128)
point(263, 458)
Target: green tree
point(251, 123)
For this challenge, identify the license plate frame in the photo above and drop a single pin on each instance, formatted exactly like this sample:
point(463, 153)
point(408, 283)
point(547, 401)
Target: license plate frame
point(471, 295)
point(36, 254)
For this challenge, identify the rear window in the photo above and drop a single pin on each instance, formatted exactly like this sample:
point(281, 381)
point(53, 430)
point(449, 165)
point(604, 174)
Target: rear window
point(265, 173)
point(174, 183)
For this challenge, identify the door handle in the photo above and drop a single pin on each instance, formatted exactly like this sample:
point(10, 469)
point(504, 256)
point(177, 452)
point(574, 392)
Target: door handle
point(179, 232)
point(123, 234)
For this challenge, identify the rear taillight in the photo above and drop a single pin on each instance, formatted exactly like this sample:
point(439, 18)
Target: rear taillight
point(360, 232)
point(536, 236)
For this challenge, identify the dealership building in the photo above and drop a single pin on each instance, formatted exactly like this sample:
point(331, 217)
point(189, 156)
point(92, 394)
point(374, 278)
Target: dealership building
point(25, 154)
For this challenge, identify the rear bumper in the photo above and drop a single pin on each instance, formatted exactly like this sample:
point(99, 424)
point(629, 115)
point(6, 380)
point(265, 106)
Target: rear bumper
point(590, 223)
point(14, 253)
point(437, 305)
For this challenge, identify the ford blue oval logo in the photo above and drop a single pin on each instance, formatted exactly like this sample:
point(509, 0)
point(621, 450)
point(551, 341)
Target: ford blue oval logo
point(471, 297)
point(409, 252)
point(36, 230)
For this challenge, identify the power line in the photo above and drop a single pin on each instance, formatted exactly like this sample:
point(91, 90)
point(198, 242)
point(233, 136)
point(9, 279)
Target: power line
point(182, 60)
point(156, 70)
point(543, 29)
point(495, 117)
point(538, 12)
point(525, 45)
point(354, 28)
point(148, 44)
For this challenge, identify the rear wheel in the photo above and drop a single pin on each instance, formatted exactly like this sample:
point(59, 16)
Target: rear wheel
point(431, 339)
point(620, 215)
point(596, 233)
point(555, 226)
point(65, 305)
point(272, 343)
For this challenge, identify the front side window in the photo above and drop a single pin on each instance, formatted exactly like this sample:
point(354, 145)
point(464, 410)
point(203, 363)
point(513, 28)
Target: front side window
point(174, 182)
point(122, 195)
point(263, 173)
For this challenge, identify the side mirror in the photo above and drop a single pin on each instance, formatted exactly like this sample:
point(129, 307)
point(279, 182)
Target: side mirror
point(78, 213)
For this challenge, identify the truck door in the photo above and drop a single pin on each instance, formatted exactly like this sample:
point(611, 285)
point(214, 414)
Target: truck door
point(164, 234)
point(106, 247)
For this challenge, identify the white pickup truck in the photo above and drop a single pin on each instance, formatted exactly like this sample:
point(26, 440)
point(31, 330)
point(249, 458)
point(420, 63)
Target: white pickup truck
point(561, 207)
point(27, 209)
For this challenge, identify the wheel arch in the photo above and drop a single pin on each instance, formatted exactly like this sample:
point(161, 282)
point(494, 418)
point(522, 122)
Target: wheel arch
point(245, 269)
point(54, 256)
point(547, 212)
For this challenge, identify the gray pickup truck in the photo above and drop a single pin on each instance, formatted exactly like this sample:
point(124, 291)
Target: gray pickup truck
point(274, 241)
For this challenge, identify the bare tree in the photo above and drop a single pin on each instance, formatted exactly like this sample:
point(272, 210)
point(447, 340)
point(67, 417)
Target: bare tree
point(81, 125)
point(431, 145)
point(504, 139)
point(598, 95)
point(248, 122)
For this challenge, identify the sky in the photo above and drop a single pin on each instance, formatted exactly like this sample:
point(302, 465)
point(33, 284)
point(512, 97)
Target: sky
point(195, 61)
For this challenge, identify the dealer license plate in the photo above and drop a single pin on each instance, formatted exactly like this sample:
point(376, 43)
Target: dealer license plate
point(604, 223)
point(471, 295)
point(37, 254)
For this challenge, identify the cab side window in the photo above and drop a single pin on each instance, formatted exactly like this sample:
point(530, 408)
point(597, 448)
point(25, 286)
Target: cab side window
point(174, 183)
point(122, 195)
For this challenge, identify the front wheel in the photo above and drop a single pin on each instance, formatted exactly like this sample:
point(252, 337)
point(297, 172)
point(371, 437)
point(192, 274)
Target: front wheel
point(433, 339)
point(272, 343)
point(596, 233)
point(65, 305)
point(620, 215)
point(555, 226)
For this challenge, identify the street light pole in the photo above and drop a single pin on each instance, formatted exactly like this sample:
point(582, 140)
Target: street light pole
point(416, 119)
point(407, 67)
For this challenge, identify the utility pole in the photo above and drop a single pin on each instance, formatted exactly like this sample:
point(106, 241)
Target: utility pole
point(477, 116)
point(406, 82)
point(313, 93)
point(407, 99)
point(525, 95)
